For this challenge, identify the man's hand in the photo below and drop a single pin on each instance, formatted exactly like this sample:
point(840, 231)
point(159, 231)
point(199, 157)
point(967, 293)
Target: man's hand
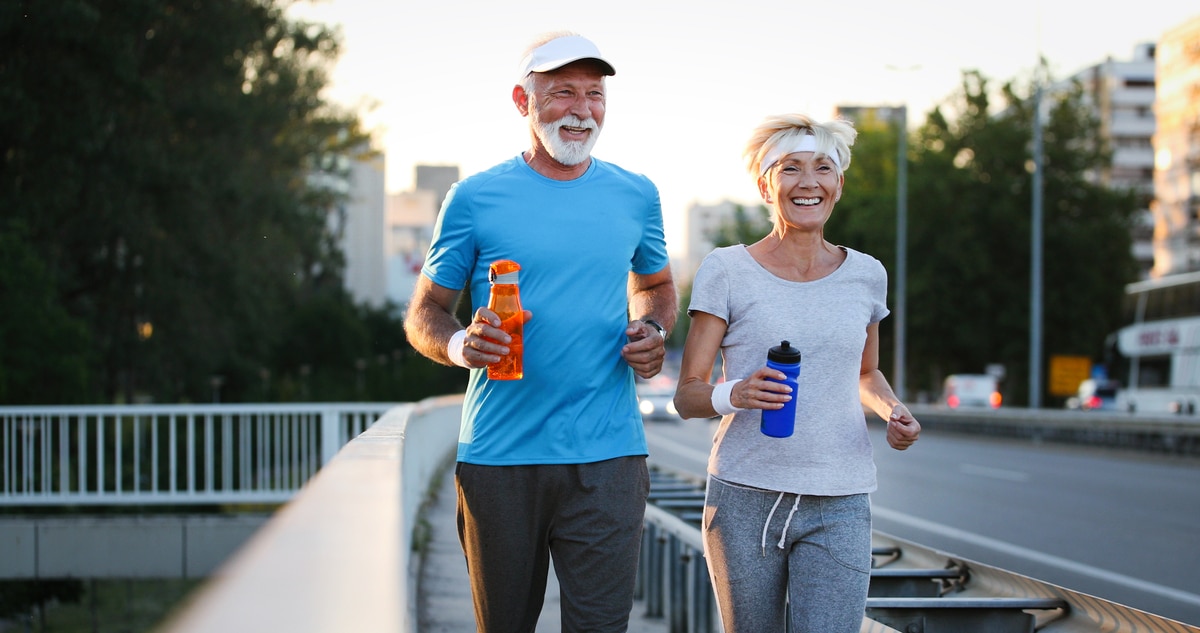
point(485, 343)
point(645, 350)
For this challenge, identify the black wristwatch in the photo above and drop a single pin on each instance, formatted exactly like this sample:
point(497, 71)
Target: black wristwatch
point(662, 331)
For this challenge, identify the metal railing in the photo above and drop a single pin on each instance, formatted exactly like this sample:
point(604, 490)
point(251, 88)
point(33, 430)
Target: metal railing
point(255, 453)
point(170, 454)
point(913, 589)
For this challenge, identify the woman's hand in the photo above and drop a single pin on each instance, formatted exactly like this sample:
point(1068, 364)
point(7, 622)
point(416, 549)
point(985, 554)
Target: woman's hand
point(902, 428)
point(758, 391)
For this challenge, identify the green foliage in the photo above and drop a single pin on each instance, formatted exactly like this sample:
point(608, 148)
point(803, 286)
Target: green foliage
point(19, 597)
point(86, 606)
point(166, 218)
point(970, 237)
point(43, 350)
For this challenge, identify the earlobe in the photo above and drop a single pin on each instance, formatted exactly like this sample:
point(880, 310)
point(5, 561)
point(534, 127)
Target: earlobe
point(764, 190)
point(520, 99)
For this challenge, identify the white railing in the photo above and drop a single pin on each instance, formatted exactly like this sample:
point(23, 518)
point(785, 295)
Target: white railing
point(343, 555)
point(170, 454)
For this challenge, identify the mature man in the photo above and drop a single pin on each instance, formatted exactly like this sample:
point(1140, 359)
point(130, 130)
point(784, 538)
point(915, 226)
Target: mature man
point(552, 467)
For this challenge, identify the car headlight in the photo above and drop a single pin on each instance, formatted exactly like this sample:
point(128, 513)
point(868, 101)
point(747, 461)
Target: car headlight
point(646, 407)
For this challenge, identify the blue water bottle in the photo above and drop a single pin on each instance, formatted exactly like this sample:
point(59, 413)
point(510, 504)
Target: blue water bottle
point(781, 422)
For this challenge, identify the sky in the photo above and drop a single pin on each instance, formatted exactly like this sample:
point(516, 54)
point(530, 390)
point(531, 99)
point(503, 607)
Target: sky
point(433, 78)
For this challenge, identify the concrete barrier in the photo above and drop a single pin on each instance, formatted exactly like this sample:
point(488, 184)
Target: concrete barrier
point(339, 556)
point(1174, 435)
point(180, 546)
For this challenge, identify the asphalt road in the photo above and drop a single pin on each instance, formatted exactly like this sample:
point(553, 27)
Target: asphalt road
point(1119, 525)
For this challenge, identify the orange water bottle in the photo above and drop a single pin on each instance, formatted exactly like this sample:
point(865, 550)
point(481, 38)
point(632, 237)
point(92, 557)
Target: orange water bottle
point(506, 302)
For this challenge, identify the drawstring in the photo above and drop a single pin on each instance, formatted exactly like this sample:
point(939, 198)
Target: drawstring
point(788, 522)
point(783, 533)
point(768, 523)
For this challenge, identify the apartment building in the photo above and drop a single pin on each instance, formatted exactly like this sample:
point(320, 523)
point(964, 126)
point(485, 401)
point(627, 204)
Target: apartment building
point(1176, 143)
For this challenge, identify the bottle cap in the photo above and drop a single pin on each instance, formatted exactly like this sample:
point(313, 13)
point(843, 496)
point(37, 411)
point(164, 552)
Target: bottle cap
point(503, 271)
point(784, 353)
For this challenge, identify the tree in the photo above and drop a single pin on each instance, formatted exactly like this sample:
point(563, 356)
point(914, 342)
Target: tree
point(43, 351)
point(162, 158)
point(969, 267)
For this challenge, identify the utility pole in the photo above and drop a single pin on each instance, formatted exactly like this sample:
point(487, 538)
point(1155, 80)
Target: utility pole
point(1035, 267)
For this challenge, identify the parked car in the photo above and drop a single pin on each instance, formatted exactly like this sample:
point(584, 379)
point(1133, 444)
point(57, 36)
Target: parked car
point(656, 399)
point(971, 391)
point(1098, 395)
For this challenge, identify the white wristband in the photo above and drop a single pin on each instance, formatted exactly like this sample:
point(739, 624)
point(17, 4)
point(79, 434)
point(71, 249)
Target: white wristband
point(454, 349)
point(720, 397)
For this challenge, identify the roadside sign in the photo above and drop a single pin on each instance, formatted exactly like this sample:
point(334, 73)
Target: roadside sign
point(1066, 372)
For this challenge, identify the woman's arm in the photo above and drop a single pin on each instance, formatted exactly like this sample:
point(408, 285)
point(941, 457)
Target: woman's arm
point(693, 394)
point(877, 395)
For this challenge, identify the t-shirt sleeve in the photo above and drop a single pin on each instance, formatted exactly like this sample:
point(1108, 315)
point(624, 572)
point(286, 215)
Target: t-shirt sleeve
point(710, 288)
point(452, 249)
point(651, 254)
point(879, 309)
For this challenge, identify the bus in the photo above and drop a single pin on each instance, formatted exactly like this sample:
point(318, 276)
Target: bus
point(1159, 351)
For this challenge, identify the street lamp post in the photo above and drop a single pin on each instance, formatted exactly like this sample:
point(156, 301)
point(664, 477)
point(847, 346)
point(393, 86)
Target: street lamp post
point(901, 277)
point(901, 248)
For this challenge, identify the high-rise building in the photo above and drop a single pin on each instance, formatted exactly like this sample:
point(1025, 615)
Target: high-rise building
point(1122, 94)
point(409, 227)
point(701, 225)
point(360, 221)
point(1177, 151)
point(438, 179)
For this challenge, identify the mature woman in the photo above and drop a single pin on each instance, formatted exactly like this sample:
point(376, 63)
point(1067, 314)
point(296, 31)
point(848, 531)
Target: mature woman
point(789, 519)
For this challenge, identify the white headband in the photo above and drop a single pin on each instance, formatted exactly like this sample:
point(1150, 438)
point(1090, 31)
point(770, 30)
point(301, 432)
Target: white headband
point(802, 143)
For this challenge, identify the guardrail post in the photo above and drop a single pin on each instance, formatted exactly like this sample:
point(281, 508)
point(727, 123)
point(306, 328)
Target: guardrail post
point(702, 595)
point(653, 567)
point(331, 434)
point(678, 579)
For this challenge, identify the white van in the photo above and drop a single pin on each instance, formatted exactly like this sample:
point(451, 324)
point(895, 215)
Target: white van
point(971, 390)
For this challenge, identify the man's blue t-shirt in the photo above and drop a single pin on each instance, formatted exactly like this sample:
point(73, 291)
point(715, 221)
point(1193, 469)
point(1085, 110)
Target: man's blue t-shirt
point(576, 242)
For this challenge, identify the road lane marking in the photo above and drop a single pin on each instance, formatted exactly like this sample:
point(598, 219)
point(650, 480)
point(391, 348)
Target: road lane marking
point(993, 473)
point(1036, 556)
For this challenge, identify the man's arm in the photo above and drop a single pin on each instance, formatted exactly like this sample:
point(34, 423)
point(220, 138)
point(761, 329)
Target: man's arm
point(651, 297)
point(430, 322)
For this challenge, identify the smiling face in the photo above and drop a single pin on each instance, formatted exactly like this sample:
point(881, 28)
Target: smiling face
point(802, 187)
point(566, 111)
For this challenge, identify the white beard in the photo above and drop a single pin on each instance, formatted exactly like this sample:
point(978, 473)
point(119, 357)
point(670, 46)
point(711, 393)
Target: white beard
point(567, 152)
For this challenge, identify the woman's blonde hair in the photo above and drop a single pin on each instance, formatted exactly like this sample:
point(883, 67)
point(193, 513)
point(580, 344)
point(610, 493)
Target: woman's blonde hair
point(833, 139)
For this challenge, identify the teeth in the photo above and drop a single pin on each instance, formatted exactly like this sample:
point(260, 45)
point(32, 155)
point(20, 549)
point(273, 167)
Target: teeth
point(806, 201)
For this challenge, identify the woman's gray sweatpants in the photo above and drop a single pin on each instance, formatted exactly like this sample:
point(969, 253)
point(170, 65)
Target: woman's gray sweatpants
point(767, 549)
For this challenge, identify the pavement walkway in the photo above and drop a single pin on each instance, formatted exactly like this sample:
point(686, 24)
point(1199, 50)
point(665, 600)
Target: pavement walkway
point(444, 594)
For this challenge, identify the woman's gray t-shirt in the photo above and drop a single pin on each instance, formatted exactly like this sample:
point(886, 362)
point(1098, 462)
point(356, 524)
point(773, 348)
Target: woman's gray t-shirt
point(829, 453)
